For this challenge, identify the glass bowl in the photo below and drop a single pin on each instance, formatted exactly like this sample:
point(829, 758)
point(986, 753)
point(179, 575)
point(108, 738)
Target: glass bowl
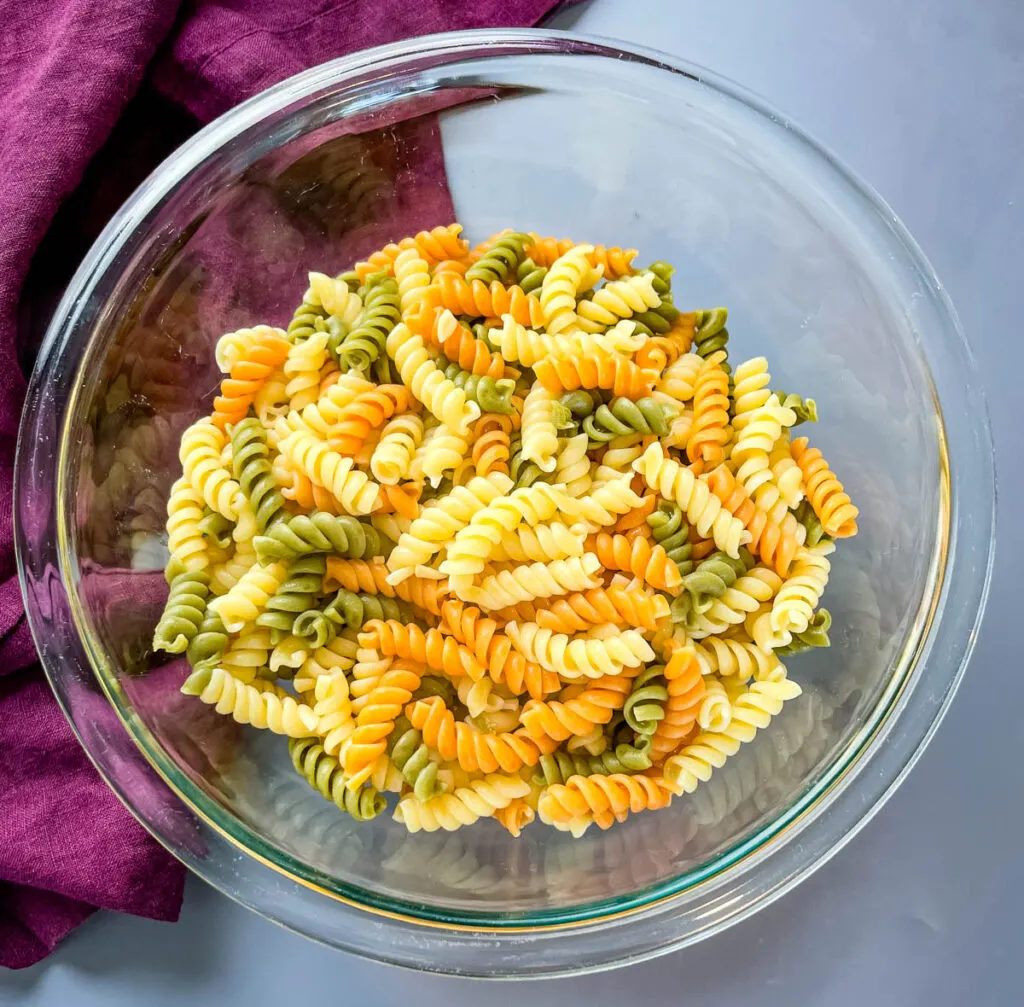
point(563, 135)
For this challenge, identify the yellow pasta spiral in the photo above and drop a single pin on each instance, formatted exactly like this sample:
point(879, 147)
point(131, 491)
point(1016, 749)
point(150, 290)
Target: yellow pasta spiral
point(464, 806)
point(427, 381)
point(201, 450)
point(751, 711)
point(702, 508)
point(570, 274)
point(534, 580)
point(354, 490)
point(268, 708)
point(392, 457)
point(618, 299)
point(605, 650)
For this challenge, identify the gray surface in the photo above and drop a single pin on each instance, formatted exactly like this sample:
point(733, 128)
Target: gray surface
point(925, 100)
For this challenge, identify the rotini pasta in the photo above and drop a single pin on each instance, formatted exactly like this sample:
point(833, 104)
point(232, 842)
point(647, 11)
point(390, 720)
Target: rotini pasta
point(510, 532)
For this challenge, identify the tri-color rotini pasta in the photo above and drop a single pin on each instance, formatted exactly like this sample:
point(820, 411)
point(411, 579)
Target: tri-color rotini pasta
point(499, 531)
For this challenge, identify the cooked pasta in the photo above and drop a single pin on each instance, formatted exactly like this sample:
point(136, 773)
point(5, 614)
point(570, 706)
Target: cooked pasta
point(498, 530)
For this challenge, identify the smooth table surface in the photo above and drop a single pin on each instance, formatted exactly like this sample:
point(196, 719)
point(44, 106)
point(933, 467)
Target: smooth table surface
point(925, 100)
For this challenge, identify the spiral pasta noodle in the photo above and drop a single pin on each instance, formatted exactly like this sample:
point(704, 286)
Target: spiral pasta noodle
point(248, 374)
point(473, 749)
point(427, 381)
point(267, 707)
point(480, 798)
point(618, 299)
point(362, 344)
point(589, 655)
point(323, 773)
point(376, 720)
point(825, 492)
point(498, 530)
point(600, 796)
point(557, 720)
point(637, 556)
point(496, 653)
point(750, 711)
point(250, 460)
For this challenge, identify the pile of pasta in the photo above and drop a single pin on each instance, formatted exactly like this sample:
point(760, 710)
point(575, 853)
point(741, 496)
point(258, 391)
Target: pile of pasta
point(499, 530)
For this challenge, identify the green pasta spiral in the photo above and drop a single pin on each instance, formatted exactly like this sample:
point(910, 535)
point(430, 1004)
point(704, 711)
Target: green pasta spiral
point(308, 318)
point(209, 642)
point(347, 608)
point(672, 533)
point(183, 615)
point(382, 370)
point(411, 758)
point(251, 464)
point(316, 626)
point(806, 516)
point(381, 313)
point(559, 766)
point(351, 279)
point(806, 409)
point(662, 277)
point(523, 472)
point(657, 321)
point(216, 528)
point(816, 635)
point(500, 260)
point(315, 533)
point(298, 592)
point(530, 276)
point(492, 395)
point(711, 334)
point(324, 773)
point(710, 580)
point(580, 403)
point(644, 708)
point(337, 330)
point(624, 416)
point(433, 685)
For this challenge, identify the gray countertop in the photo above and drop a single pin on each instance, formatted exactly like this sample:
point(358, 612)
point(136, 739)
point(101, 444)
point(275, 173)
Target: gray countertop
point(925, 100)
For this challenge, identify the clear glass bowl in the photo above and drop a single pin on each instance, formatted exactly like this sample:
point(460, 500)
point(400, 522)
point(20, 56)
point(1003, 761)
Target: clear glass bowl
point(565, 136)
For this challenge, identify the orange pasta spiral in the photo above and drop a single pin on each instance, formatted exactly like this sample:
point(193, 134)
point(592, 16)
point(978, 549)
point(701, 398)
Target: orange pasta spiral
point(637, 556)
point(491, 446)
point(459, 345)
point(495, 652)
point(558, 720)
point(774, 544)
point(709, 431)
point(371, 577)
point(458, 295)
point(567, 371)
point(474, 750)
point(637, 517)
point(366, 412)
point(248, 374)
point(685, 695)
point(402, 500)
point(606, 798)
point(616, 261)
point(661, 351)
point(434, 246)
point(515, 816)
point(578, 613)
point(432, 647)
point(838, 516)
point(376, 719)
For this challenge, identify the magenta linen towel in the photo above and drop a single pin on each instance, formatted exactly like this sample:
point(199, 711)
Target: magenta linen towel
point(70, 68)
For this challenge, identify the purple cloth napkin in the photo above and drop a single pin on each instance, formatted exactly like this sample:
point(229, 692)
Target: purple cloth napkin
point(70, 70)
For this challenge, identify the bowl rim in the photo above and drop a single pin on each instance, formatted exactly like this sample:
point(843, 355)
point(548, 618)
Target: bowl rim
point(757, 848)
